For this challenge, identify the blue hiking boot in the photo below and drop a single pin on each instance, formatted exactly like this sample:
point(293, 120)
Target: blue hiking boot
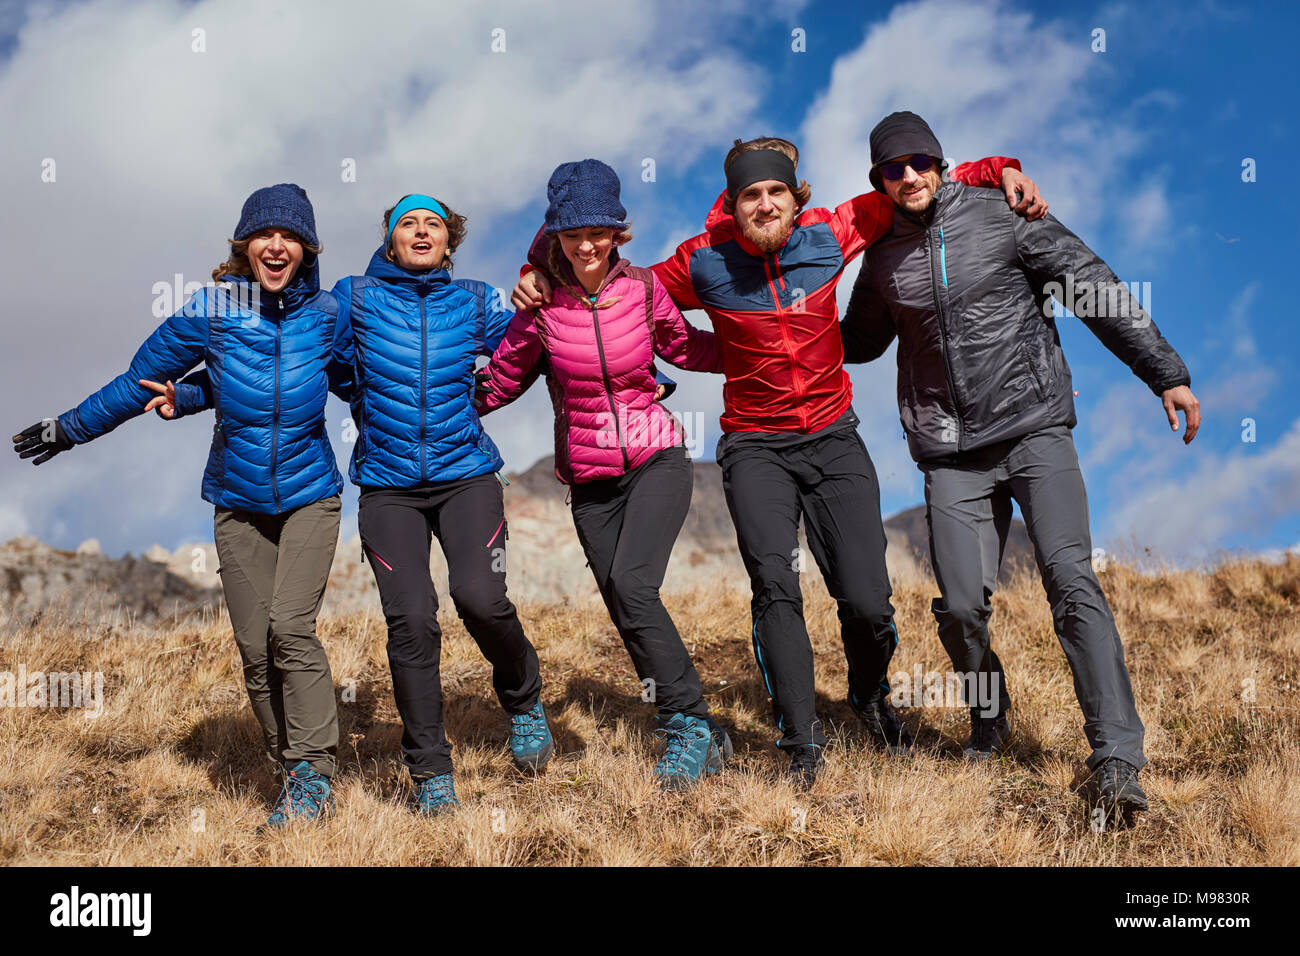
point(305, 796)
point(693, 747)
point(530, 739)
point(435, 795)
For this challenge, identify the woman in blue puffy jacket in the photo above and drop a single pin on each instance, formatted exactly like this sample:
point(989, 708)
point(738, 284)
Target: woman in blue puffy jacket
point(406, 340)
point(426, 468)
point(266, 334)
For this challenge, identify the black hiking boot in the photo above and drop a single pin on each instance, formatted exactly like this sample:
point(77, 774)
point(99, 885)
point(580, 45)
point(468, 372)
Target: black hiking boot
point(882, 724)
point(1118, 792)
point(988, 735)
point(806, 762)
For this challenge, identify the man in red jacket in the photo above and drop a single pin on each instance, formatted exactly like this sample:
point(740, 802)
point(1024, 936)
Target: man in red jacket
point(765, 272)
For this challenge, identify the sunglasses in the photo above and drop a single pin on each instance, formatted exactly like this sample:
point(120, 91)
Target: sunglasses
point(894, 171)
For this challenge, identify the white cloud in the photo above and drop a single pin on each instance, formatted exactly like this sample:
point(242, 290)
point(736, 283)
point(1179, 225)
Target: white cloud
point(1147, 215)
point(156, 146)
point(1243, 494)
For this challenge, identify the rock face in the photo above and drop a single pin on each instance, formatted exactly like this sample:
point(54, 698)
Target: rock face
point(86, 587)
point(545, 562)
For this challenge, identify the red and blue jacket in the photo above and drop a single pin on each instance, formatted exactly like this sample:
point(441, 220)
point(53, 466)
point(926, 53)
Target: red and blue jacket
point(775, 315)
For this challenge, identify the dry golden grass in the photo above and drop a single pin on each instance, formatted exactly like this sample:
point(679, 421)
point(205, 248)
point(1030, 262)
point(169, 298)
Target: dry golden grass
point(171, 773)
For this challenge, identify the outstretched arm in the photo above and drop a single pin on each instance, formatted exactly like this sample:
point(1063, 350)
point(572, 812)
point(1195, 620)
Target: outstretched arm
point(1065, 269)
point(173, 348)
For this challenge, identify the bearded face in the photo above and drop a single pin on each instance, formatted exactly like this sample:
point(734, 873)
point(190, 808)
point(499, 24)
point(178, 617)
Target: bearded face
point(765, 214)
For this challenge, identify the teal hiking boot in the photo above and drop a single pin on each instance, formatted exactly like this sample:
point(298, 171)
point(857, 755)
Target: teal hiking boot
point(531, 744)
point(435, 795)
point(305, 796)
point(693, 748)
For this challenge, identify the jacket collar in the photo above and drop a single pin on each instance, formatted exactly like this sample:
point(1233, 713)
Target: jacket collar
point(617, 266)
point(905, 221)
point(381, 267)
point(301, 289)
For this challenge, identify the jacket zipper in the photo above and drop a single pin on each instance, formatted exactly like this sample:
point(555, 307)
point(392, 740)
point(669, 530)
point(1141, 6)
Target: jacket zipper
point(785, 337)
point(943, 337)
point(275, 419)
point(609, 392)
point(424, 360)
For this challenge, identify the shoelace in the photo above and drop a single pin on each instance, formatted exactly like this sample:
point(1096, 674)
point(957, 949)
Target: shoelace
point(434, 790)
point(1117, 773)
point(677, 740)
point(531, 724)
point(281, 800)
point(304, 794)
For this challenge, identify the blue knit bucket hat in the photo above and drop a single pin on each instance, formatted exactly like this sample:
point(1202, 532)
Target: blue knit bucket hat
point(584, 195)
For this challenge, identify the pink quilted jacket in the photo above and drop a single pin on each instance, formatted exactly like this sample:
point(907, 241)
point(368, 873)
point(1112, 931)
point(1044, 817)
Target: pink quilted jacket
point(599, 366)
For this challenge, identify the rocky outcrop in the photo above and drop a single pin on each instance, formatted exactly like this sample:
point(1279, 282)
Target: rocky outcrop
point(545, 562)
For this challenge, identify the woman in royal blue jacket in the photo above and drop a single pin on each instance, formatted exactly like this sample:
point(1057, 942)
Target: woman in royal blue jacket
point(426, 468)
point(266, 334)
point(405, 343)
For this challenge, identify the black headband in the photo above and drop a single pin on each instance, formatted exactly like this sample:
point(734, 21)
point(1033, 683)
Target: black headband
point(758, 165)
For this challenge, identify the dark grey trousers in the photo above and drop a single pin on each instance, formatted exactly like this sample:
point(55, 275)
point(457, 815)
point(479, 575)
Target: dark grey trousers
point(273, 573)
point(968, 502)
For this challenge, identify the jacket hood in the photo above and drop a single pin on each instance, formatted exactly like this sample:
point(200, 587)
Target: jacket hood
point(381, 267)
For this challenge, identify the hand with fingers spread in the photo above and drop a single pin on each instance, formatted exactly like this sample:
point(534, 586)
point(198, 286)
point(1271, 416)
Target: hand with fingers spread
point(531, 292)
point(1023, 195)
point(164, 403)
point(44, 439)
point(1181, 399)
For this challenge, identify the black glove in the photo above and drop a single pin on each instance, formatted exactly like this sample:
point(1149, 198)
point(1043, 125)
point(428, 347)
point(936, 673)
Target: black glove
point(46, 438)
point(481, 389)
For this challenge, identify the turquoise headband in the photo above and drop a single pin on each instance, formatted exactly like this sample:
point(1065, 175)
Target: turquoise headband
point(415, 201)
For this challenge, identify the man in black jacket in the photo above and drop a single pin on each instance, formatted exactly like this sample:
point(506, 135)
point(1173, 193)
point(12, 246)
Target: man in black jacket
point(987, 403)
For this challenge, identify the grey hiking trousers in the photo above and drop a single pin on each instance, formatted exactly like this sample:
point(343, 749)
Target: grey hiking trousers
point(273, 573)
point(968, 499)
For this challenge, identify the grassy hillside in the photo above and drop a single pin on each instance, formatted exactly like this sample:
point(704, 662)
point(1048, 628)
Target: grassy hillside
point(171, 774)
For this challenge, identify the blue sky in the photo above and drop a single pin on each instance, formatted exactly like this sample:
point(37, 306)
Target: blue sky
point(1138, 148)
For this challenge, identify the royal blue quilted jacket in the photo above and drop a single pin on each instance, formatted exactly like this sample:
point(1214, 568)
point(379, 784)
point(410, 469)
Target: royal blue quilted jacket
point(267, 377)
point(412, 339)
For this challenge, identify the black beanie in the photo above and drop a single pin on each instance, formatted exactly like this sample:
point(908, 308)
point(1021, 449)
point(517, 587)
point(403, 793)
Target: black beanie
point(901, 134)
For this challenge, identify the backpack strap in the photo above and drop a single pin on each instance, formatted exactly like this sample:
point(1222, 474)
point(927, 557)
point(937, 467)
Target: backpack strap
point(646, 278)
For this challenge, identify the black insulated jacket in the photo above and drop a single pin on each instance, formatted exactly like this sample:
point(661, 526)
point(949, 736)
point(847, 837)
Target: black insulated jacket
point(967, 288)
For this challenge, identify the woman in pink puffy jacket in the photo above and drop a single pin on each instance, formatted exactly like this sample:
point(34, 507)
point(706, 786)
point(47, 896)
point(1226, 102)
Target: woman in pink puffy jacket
point(618, 448)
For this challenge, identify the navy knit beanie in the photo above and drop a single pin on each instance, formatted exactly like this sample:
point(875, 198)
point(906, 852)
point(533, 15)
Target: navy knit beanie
point(584, 195)
point(284, 205)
